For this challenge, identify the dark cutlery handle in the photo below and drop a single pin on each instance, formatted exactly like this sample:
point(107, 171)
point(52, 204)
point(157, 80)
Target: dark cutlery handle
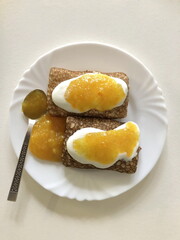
point(19, 169)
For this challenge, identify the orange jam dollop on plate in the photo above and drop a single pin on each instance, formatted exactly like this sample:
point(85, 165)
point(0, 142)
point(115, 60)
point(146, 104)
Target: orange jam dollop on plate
point(104, 147)
point(94, 91)
point(47, 138)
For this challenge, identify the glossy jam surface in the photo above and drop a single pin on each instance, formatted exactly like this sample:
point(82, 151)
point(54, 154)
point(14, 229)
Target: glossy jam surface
point(94, 91)
point(47, 138)
point(104, 147)
point(35, 104)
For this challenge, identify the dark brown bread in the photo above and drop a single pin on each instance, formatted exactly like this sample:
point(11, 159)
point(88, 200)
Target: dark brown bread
point(75, 123)
point(58, 75)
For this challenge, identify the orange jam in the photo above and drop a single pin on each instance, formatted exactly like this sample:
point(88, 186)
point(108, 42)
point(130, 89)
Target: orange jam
point(35, 104)
point(94, 91)
point(47, 137)
point(104, 147)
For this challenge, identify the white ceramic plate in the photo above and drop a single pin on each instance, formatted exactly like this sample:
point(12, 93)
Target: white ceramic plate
point(146, 108)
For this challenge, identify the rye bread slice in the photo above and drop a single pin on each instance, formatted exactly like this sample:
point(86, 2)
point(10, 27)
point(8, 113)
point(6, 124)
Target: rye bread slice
point(75, 123)
point(58, 75)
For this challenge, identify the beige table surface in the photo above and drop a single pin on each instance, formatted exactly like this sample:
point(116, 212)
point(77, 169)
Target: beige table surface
point(150, 30)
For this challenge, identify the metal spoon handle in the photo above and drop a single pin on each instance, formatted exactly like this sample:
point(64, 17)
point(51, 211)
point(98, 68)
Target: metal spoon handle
point(13, 192)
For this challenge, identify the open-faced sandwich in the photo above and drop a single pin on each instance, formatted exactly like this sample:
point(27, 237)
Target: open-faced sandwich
point(87, 93)
point(80, 128)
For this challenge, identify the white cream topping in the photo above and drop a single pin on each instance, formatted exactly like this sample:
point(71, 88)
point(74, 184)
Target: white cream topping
point(59, 92)
point(82, 132)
